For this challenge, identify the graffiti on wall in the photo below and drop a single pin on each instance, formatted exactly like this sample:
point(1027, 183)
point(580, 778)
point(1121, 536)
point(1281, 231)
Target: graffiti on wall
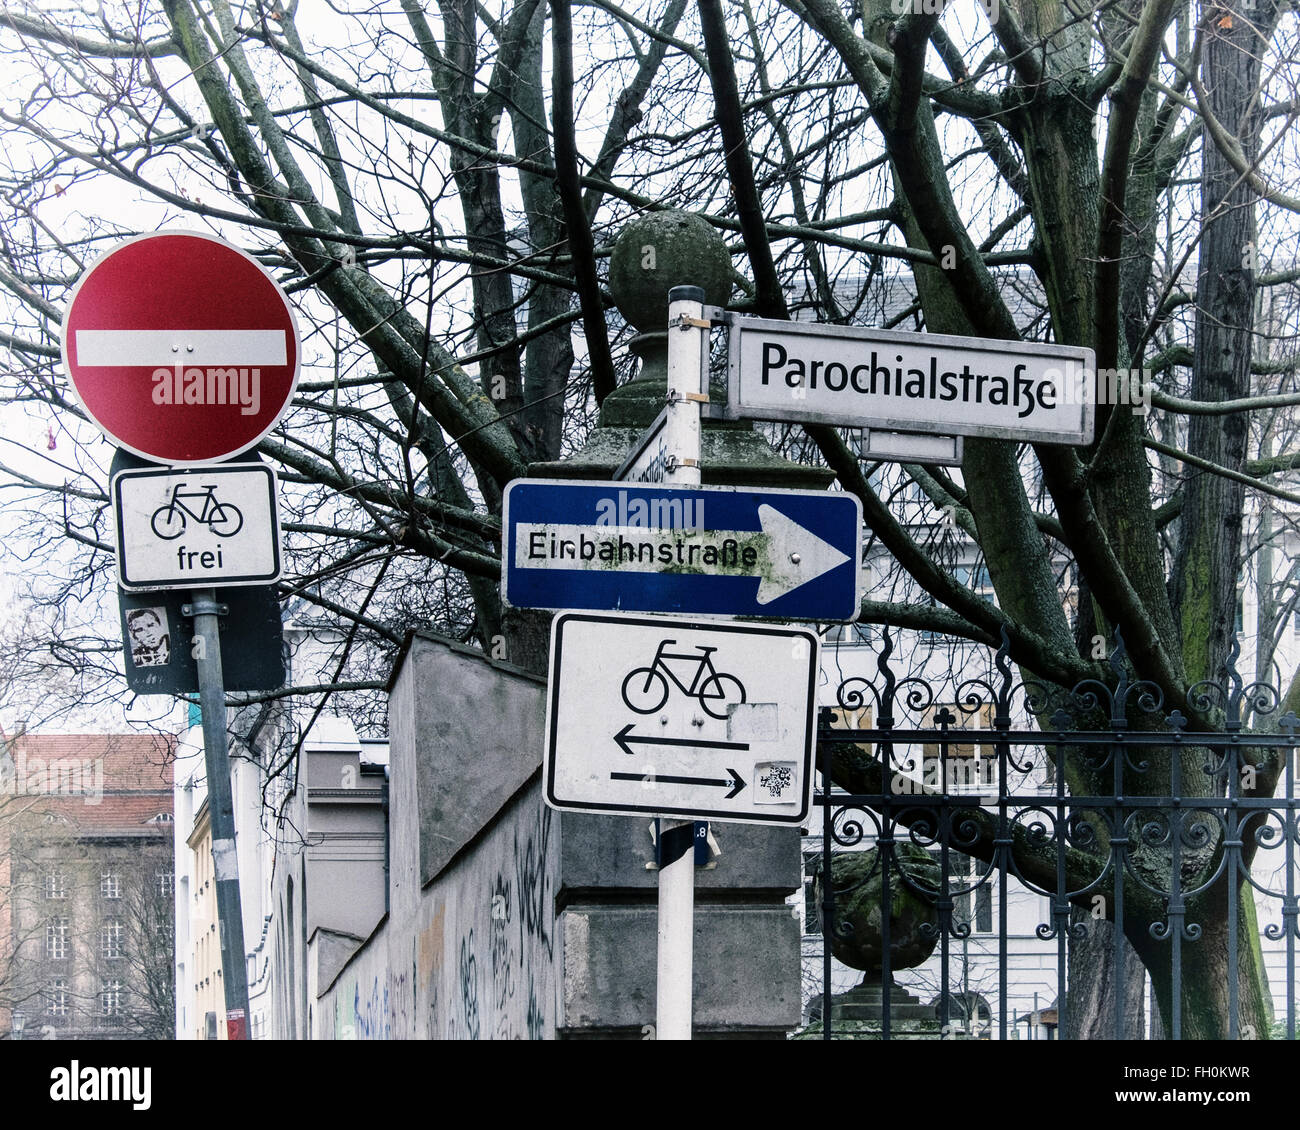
point(370, 1010)
point(534, 881)
point(469, 1017)
point(536, 1017)
point(481, 966)
point(503, 972)
point(519, 904)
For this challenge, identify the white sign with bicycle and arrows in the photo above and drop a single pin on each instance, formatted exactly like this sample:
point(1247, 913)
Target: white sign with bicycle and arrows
point(707, 719)
point(189, 529)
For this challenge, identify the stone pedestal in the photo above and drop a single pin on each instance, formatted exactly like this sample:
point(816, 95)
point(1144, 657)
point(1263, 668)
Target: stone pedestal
point(859, 1015)
point(867, 1002)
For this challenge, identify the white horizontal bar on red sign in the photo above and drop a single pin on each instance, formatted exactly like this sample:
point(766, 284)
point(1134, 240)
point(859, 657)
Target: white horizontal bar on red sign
point(181, 347)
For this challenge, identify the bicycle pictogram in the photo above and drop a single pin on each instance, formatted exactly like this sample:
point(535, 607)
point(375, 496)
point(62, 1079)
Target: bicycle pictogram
point(222, 518)
point(645, 689)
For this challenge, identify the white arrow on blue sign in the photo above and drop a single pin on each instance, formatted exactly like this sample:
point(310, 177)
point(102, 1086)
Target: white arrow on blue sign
point(720, 551)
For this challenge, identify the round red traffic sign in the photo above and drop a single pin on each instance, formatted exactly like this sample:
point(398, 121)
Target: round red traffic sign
point(181, 348)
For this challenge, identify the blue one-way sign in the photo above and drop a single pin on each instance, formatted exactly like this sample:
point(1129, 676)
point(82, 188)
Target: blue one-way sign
point(722, 551)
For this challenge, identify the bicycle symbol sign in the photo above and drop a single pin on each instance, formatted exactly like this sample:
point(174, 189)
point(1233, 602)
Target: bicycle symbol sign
point(701, 718)
point(169, 521)
point(645, 689)
point(214, 526)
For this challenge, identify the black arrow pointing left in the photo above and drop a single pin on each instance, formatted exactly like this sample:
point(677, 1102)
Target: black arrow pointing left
point(626, 740)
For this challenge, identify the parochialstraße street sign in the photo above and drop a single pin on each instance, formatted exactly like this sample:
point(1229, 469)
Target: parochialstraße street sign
point(854, 377)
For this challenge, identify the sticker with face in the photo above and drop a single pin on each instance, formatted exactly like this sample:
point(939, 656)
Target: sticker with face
point(150, 639)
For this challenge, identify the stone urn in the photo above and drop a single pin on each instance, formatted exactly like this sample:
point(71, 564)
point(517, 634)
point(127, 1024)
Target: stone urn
point(856, 937)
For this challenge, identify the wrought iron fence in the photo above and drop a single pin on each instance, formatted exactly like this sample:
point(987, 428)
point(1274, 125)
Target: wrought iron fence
point(1006, 818)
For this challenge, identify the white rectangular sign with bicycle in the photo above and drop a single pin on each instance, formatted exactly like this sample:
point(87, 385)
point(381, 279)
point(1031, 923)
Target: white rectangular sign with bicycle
point(679, 717)
point(191, 529)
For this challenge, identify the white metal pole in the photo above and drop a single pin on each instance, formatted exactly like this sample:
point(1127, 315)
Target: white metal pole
point(687, 343)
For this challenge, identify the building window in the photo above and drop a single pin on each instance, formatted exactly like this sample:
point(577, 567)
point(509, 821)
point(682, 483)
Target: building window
point(56, 938)
point(971, 908)
point(110, 938)
point(960, 719)
point(166, 883)
point(56, 997)
point(110, 999)
point(110, 885)
point(984, 908)
point(967, 770)
point(978, 579)
point(851, 635)
point(56, 885)
point(812, 861)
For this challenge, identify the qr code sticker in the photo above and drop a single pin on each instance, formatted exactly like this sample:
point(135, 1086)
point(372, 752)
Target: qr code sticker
point(776, 782)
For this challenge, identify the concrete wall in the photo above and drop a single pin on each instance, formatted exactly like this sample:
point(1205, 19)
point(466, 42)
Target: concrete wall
point(476, 959)
point(510, 920)
point(468, 948)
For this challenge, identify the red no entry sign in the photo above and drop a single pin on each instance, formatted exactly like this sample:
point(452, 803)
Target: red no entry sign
point(181, 348)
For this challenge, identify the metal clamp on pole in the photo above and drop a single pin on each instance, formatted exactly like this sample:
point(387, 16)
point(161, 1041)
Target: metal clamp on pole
point(204, 607)
point(685, 383)
point(686, 398)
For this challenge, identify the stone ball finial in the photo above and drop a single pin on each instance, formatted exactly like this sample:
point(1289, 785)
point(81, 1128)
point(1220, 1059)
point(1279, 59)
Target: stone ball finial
point(858, 940)
point(662, 250)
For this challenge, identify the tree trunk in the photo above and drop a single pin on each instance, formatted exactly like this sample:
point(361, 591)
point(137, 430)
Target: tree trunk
point(1206, 1012)
point(1204, 579)
point(1095, 984)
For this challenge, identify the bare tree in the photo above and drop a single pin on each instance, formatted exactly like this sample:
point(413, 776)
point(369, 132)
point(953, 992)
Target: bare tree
point(1111, 175)
point(145, 960)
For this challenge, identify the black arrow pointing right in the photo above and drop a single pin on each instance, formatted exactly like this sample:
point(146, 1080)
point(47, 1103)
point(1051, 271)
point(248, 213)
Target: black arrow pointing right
point(735, 782)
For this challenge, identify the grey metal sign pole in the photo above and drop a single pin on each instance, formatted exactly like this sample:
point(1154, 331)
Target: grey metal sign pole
point(221, 809)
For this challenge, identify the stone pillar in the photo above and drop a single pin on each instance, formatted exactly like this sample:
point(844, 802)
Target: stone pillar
point(650, 257)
